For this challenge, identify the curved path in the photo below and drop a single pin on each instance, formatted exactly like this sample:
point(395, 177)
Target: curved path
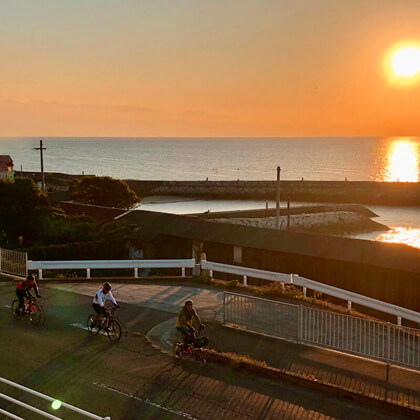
point(133, 380)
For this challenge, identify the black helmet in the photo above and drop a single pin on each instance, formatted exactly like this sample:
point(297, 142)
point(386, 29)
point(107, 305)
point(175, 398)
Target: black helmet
point(107, 285)
point(30, 278)
point(188, 302)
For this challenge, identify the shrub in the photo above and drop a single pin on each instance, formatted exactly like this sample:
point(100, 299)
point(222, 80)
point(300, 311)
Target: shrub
point(103, 191)
point(293, 292)
point(233, 284)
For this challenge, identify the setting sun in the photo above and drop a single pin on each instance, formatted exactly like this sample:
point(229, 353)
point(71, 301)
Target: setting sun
point(406, 62)
point(402, 64)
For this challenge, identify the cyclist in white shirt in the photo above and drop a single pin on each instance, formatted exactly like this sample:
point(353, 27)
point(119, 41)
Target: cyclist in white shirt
point(101, 297)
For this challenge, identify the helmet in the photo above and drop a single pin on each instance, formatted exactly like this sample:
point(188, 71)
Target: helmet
point(107, 285)
point(188, 302)
point(30, 278)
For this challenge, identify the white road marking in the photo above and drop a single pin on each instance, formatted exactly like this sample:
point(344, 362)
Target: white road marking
point(147, 401)
point(8, 306)
point(84, 327)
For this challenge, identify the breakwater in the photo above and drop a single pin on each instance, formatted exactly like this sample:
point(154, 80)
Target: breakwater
point(381, 193)
point(362, 192)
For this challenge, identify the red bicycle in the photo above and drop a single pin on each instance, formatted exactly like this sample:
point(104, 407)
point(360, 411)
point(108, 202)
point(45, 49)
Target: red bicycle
point(31, 309)
point(194, 349)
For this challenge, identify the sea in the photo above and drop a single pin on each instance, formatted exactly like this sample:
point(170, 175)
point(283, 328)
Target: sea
point(310, 158)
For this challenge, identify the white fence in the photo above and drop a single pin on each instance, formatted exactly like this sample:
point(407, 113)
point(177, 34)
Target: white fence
point(13, 262)
point(346, 295)
point(316, 327)
point(108, 264)
point(37, 410)
point(244, 272)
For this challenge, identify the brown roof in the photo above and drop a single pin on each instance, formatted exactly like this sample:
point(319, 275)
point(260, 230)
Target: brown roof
point(5, 162)
point(394, 256)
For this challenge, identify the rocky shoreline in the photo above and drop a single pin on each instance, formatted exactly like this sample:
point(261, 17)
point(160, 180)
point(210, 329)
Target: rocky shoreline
point(381, 193)
point(329, 222)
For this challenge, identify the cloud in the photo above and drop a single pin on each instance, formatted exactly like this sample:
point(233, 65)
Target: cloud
point(30, 118)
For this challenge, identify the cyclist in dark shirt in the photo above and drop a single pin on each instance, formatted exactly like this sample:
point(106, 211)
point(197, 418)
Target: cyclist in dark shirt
point(23, 290)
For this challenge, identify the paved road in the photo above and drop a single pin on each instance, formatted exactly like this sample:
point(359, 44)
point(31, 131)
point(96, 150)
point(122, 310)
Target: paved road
point(133, 380)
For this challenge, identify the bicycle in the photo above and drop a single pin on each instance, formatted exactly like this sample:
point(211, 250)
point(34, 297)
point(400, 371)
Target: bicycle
point(30, 309)
point(194, 349)
point(107, 323)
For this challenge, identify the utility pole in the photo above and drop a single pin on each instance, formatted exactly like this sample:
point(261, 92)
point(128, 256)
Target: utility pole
point(278, 199)
point(41, 149)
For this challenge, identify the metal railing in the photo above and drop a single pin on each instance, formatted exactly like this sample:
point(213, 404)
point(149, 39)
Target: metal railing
point(301, 324)
point(308, 284)
point(264, 316)
point(37, 410)
point(108, 264)
point(13, 262)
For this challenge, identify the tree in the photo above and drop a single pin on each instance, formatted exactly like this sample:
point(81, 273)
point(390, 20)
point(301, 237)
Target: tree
point(23, 211)
point(103, 191)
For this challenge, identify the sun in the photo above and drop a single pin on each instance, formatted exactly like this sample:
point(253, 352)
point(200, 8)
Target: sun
point(406, 62)
point(402, 63)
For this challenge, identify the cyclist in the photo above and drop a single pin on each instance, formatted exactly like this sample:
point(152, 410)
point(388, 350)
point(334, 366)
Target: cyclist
point(23, 290)
point(184, 322)
point(101, 297)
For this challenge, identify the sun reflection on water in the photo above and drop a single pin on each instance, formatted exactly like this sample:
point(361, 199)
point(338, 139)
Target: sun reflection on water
point(407, 236)
point(402, 161)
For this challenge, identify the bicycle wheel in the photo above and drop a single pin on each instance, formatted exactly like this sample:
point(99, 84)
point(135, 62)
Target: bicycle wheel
point(203, 361)
point(35, 314)
point(179, 353)
point(93, 325)
point(16, 312)
point(114, 330)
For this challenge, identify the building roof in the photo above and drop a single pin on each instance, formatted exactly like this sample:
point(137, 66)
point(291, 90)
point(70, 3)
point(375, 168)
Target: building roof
point(387, 255)
point(5, 162)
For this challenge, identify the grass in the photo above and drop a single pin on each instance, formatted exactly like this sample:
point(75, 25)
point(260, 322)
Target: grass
point(277, 291)
point(236, 360)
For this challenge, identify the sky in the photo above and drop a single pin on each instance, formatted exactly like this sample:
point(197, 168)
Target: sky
point(205, 68)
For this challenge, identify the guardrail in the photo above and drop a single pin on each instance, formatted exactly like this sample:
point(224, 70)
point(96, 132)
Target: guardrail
point(37, 410)
point(325, 329)
point(306, 284)
point(107, 264)
point(13, 262)
point(244, 272)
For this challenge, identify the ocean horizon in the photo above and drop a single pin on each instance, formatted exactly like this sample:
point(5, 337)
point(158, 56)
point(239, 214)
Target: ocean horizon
point(223, 158)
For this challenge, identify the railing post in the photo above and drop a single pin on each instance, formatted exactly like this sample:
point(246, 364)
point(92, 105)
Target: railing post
point(88, 273)
point(40, 274)
point(282, 286)
point(183, 271)
point(26, 264)
point(136, 272)
point(211, 274)
point(304, 292)
point(349, 305)
point(291, 278)
point(399, 321)
point(245, 281)
point(299, 324)
point(388, 358)
point(224, 308)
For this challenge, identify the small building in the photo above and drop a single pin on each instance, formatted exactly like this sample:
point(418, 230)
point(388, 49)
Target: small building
point(383, 271)
point(6, 167)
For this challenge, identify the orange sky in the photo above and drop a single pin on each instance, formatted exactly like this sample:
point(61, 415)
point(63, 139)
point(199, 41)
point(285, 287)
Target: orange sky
point(204, 68)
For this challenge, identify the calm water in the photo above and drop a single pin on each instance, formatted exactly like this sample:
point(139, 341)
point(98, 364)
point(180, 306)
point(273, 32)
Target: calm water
point(404, 222)
point(361, 159)
point(357, 159)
